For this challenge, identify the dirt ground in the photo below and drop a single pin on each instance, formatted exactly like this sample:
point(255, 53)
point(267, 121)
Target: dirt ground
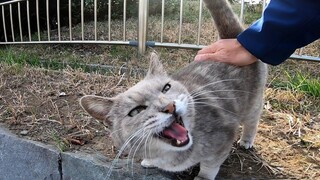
point(42, 105)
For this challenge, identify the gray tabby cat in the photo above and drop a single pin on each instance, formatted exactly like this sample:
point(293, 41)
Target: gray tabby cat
point(193, 116)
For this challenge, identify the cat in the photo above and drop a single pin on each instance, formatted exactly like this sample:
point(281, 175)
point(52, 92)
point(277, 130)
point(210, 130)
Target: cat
point(174, 122)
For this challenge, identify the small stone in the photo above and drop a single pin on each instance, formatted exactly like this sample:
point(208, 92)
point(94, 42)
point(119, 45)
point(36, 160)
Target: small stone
point(24, 132)
point(62, 94)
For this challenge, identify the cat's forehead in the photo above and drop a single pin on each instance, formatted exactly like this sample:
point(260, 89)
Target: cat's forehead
point(150, 85)
point(141, 90)
point(144, 90)
point(132, 96)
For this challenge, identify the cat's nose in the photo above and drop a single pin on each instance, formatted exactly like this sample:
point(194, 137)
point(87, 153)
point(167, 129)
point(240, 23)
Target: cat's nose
point(170, 108)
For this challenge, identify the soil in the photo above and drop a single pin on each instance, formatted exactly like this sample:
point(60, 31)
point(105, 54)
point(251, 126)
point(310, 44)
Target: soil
point(42, 105)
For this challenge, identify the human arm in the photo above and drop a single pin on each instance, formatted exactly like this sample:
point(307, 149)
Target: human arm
point(285, 26)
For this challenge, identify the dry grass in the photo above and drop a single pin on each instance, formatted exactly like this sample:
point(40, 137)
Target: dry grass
point(286, 133)
point(44, 103)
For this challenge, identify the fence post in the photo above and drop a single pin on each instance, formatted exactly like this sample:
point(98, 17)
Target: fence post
point(242, 12)
point(142, 29)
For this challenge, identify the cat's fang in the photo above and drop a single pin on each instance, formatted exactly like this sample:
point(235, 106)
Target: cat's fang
point(179, 142)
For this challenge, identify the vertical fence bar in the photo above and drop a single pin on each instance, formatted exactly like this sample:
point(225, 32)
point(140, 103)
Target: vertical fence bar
point(11, 21)
point(124, 19)
point(180, 26)
point(82, 20)
point(199, 26)
point(242, 11)
point(95, 19)
point(19, 19)
point(28, 20)
point(300, 51)
point(143, 19)
point(4, 24)
point(162, 21)
point(48, 21)
point(38, 23)
point(109, 20)
point(58, 18)
point(70, 21)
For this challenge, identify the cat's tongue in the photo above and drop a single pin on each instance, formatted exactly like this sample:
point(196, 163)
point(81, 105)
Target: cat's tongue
point(176, 131)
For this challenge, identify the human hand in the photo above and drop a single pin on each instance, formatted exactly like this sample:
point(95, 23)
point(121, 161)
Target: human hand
point(228, 51)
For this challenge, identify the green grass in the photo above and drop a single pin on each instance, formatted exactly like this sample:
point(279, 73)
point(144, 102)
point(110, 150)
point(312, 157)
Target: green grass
point(58, 140)
point(19, 57)
point(172, 10)
point(302, 82)
point(11, 57)
point(251, 12)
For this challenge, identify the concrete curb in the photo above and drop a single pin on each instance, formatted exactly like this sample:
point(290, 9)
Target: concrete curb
point(22, 159)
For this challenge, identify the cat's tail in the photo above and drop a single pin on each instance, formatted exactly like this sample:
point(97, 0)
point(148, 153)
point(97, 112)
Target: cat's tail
point(226, 21)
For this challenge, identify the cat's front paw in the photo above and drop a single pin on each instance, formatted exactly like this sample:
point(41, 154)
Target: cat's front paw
point(147, 163)
point(245, 144)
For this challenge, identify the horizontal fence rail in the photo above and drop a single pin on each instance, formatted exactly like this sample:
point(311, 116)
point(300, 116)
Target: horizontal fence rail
point(54, 22)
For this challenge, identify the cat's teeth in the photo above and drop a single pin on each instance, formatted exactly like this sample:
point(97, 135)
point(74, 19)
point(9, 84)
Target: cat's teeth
point(178, 142)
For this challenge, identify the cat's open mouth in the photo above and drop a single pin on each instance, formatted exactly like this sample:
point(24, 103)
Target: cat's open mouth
point(175, 134)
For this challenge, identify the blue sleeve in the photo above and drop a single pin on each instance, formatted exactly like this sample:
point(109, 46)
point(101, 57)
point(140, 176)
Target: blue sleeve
point(285, 26)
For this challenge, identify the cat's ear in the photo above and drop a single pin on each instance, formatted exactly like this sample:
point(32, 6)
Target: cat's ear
point(98, 107)
point(155, 67)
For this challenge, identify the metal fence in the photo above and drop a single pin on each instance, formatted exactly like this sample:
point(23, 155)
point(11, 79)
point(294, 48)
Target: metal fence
point(13, 19)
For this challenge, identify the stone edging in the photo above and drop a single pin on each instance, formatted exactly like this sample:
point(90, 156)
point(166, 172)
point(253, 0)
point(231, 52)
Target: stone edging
point(22, 159)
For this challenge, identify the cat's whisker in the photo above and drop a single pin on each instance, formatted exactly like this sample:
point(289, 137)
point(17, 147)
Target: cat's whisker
point(132, 157)
point(210, 103)
point(137, 148)
point(150, 145)
point(199, 93)
point(125, 145)
point(129, 139)
point(207, 104)
point(132, 136)
point(145, 145)
point(133, 145)
point(140, 140)
point(211, 98)
point(115, 131)
point(209, 84)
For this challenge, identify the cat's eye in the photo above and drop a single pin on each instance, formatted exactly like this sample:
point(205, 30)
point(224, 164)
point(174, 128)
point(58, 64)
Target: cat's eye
point(136, 110)
point(166, 88)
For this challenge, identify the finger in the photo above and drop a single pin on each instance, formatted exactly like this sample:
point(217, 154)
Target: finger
point(204, 57)
point(208, 49)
